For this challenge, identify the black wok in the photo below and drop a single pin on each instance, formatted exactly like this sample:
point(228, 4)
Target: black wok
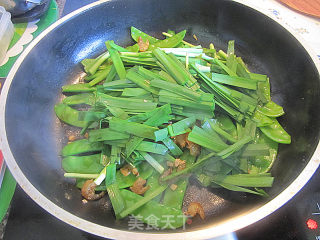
point(32, 136)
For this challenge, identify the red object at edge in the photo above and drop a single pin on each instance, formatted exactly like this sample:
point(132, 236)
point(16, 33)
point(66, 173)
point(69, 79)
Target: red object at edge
point(312, 224)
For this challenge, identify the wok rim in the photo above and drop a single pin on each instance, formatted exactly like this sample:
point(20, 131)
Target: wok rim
point(216, 230)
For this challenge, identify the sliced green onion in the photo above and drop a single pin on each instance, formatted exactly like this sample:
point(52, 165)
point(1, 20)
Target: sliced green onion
point(174, 149)
point(118, 64)
point(140, 81)
point(94, 67)
point(110, 174)
point(152, 147)
point(152, 162)
point(101, 176)
point(80, 175)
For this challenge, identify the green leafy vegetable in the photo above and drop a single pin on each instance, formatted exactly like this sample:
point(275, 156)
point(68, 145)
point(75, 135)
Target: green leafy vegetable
point(80, 147)
point(158, 116)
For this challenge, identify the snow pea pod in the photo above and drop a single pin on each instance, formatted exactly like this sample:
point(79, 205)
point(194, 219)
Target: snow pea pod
point(91, 116)
point(263, 91)
point(261, 120)
point(276, 132)
point(153, 183)
point(215, 126)
point(69, 115)
point(154, 210)
point(271, 109)
point(82, 98)
point(166, 43)
point(79, 87)
point(116, 199)
point(82, 164)
point(106, 134)
point(226, 124)
point(81, 146)
point(262, 164)
point(174, 198)
point(144, 169)
point(125, 181)
point(136, 33)
point(252, 150)
point(169, 42)
point(133, 48)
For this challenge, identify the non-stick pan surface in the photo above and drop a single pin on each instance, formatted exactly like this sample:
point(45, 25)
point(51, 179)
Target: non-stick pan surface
point(32, 136)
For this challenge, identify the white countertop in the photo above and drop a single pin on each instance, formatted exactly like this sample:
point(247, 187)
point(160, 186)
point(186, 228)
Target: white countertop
point(307, 27)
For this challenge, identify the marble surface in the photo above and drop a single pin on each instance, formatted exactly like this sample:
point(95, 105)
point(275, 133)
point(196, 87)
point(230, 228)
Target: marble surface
point(306, 26)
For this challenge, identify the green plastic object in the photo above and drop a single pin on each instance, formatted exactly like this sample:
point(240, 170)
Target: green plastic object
point(22, 32)
point(6, 193)
point(9, 184)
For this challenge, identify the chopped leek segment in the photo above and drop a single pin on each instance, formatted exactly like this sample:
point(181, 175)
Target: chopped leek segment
point(155, 113)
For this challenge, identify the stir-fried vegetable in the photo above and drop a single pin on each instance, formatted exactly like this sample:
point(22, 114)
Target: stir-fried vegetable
point(154, 113)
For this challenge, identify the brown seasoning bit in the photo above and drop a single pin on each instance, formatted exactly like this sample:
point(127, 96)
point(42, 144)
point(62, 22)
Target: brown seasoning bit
point(143, 46)
point(195, 208)
point(166, 173)
point(135, 171)
point(193, 147)
point(126, 170)
point(170, 164)
point(138, 186)
point(71, 138)
point(88, 191)
point(181, 140)
point(181, 167)
point(180, 164)
point(173, 187)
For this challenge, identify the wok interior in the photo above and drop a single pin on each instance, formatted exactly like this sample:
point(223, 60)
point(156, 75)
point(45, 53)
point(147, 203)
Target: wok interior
point(36, 136)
